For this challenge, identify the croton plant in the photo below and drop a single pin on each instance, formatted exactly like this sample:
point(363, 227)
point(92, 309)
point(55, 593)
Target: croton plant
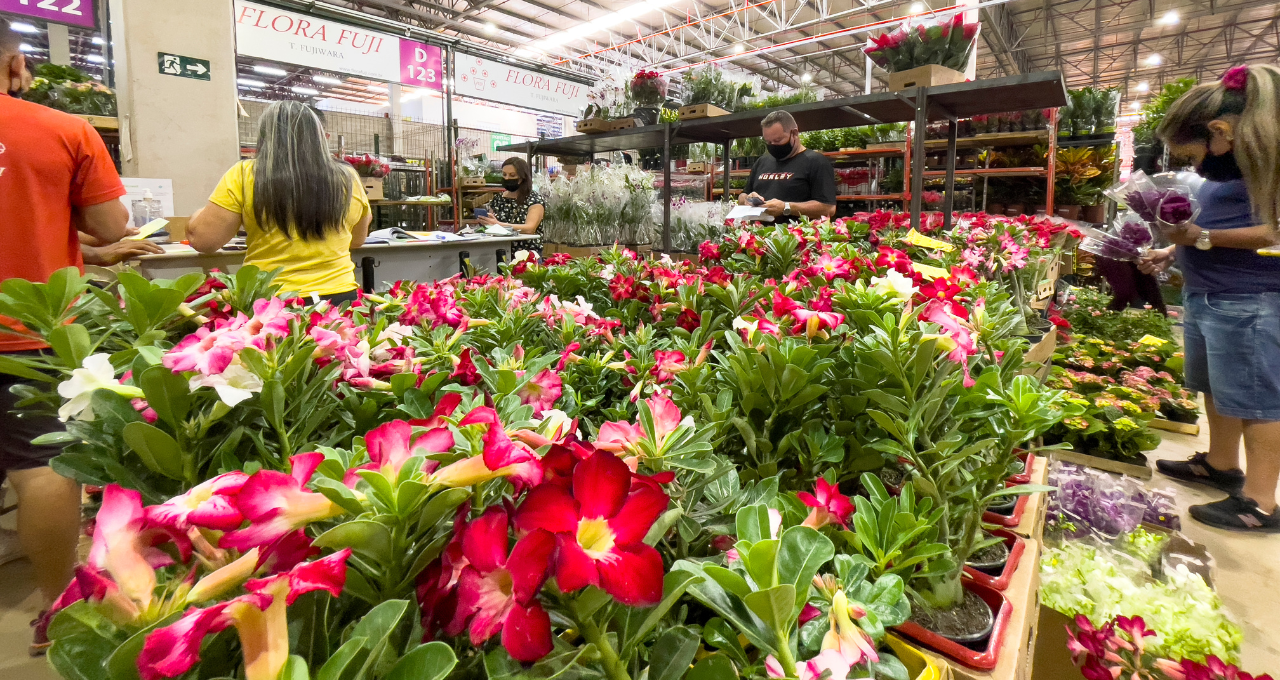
point(608, 467)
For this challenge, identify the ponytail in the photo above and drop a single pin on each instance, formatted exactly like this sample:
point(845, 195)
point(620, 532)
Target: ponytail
point(1252, 93)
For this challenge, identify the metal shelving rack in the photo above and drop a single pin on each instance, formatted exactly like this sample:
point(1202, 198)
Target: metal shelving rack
point(919, 105)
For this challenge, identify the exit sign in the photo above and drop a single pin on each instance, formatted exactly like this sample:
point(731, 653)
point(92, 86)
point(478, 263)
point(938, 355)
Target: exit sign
point(184, 67)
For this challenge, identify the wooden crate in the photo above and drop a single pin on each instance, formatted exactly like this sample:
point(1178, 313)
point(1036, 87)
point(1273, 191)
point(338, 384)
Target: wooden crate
point(594, 126)
point(1139, 471)
point(924, 76)
point(694, 111)
point(697, 167)
point(100, 122)
point(1174, 426)
point(622, 123)
point(373, 187)
point(477, 181)
point(900, 146)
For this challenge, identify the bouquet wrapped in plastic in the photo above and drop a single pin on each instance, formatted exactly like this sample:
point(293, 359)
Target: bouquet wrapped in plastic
point(367, 165)
point(945, 42)
point(1128, 239)
point(1166, 201)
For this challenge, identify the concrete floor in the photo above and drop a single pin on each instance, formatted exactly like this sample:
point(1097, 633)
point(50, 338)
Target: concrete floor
point(1248, 569)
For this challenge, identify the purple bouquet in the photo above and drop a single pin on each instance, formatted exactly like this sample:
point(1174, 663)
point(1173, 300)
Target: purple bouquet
point(1171, 206)
point(1109, 504)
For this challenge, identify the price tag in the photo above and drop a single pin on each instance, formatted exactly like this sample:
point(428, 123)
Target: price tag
point(915, 238)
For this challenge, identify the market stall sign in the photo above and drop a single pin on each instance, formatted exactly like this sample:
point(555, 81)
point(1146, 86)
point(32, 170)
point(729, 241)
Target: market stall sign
point(183, 67)
point(485, 79)
point(497, 139)
point(73, 12)
point(268, 33)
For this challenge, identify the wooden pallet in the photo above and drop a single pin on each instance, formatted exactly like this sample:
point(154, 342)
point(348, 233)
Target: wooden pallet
point(1174, 426)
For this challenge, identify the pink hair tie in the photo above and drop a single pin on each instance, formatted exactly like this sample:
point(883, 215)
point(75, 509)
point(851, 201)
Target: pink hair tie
point(1236, 78)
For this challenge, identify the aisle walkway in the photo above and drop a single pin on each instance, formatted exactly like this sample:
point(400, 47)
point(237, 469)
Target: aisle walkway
point(1247, 575)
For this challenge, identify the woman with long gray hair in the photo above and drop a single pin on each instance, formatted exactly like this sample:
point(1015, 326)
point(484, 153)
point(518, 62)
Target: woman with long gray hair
point(302, 209)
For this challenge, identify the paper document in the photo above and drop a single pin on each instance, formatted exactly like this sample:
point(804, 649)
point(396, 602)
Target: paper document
point(747, 212)
point(148, 229)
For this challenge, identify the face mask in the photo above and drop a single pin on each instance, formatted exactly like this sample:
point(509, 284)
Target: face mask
point(1221, 168)
point(511, 184)
point(781, 151)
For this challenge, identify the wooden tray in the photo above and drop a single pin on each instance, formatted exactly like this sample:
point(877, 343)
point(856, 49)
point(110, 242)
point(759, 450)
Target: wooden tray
point(695, 111)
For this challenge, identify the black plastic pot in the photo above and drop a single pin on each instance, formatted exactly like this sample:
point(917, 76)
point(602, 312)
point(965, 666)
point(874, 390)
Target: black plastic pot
point(1004, 507)
point(992, 568)
point(648, 115)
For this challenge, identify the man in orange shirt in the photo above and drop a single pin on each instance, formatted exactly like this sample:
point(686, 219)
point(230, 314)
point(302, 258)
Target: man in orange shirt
point(57, 181)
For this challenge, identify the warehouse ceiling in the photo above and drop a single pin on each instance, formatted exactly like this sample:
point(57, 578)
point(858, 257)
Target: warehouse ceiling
point(1135, 44)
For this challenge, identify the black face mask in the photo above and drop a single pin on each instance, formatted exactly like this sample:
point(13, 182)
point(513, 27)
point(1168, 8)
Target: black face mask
point(1221, 168)
point(781, 151)
point(511, 184)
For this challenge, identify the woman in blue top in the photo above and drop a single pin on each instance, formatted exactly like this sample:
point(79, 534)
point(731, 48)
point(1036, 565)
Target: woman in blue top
point(1232, 294)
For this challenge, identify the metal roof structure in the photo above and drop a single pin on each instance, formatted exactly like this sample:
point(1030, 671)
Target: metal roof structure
point(794, 42)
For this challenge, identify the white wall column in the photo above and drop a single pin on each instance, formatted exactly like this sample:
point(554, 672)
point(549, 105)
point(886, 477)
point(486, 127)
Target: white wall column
point(183, 129)
point(397, 118)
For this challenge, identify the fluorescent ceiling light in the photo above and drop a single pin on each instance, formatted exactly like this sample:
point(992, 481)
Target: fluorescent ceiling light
point(1154, 60)
point(490, 27)
point(326, 80)
point(98, 41)
point(24, 27)
point(305, 90)
point(917, 7)
point(1170, 18)
point(251, 82)
point(603, 23)
point(95, 59)
point(270, 70)
point(377, 88)
point(1135, 105)
point(739, 48)
point(26, 48)
point(1143, 87)
point(806, 78)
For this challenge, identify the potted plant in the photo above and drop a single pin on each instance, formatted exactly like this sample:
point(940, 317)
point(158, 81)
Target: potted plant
point(648, 91)
point(1105, 105)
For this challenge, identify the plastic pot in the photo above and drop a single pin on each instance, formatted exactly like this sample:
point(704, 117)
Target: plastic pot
point(984, 660)
point(1093, 214)
point(995, 208)
point(647, 115)
point(1068, 212)
point(1000, 581)
point(1012, 519)
point(1028, 463)
point(1013, 209)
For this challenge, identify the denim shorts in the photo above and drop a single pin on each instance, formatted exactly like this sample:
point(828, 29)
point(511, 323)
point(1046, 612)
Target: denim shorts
point(1232, 349)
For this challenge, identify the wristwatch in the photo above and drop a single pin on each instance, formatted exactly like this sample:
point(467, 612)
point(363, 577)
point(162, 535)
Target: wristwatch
point(1202, 241)
point(786, 209)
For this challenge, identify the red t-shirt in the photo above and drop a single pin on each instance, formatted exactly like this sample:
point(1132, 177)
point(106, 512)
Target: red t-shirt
point(50, 163)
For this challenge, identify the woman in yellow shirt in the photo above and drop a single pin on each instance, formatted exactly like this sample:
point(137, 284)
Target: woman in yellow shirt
point(302, 209)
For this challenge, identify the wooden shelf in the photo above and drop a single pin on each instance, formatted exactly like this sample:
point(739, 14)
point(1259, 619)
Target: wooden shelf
point(100, 122)
point(991, 172)
point(870, 197)
point(731, 191)
point(855, 154)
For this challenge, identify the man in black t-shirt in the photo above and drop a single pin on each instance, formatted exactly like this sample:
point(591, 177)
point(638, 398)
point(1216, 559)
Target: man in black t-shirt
point(791, 180)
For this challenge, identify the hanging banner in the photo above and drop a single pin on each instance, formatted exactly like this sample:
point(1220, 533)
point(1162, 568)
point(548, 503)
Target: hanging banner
point(73, 12)
point(268, 33)
point(484, 79)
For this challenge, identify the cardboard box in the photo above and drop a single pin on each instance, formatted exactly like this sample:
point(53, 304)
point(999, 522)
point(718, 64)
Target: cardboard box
point(697, 167)
point(373, 187)
point(924, 76)
point(622, 123)
point(1041, 353)
point(594, 126)
point(477, 181)
point(1052, 660)
point(1033, 515)
point(695, 111)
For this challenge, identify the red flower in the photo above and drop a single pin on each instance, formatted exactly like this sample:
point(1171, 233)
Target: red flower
point(829, 505)
point(599, 525)
point(556, 259)
point(276, 504)
point(709, 251)
point(749, 244)
point(542, 391)
point(667, 364)
point(688, 320)
point(625, 288)
point(894, 259)
point(822, 301)
point(783, 305)
point(464, 371)
point(964, 276)
point(941, 288)
point(498, 592)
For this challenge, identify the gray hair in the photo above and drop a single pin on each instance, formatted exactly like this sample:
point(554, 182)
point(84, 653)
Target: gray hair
point(299, 187)
point(786, 120)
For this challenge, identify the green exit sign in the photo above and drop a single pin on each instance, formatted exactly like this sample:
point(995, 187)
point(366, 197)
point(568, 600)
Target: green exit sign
point(184, 67)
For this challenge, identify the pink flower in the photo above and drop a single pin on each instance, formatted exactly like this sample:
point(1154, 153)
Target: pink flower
point(210, 504)
point(392, 444)
point(464, 371)
point(960, 344)
point(497, 592)
point(666, 417)
point(259, 617)
point(124, 547)
point(207, 352)
point(667, 364)
point(542, 391)
point(812, 323)
point(275, 504)
point(829, 505)
point(783, 305)
point(269, 321)
point(1236, 78)
point(433, 305)
point(831, 268)
point(618, 436)
point(599, 522)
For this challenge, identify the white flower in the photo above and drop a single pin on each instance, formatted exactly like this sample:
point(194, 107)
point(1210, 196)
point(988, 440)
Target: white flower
point(894, 283)
point(607, 272)
point(520, 256)
point(97, 374)
point(233, 385)
point(750, 326)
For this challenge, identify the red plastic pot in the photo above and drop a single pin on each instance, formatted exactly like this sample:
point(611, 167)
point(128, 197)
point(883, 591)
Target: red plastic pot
point(1016, 547)
point(1008, 520)
point(985, 660)
point(1029, 460)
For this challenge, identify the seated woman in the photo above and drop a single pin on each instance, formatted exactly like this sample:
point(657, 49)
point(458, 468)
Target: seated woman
point(519, 207)
point(302, 209)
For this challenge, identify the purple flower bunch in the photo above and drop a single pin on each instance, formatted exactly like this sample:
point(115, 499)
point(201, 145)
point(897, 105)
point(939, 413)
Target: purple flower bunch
point(1106, 503)
point(1171, 205)
point(1135, 233)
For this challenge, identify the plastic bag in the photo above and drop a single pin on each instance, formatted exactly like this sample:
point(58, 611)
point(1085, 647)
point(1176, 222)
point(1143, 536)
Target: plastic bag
point(1177, 205)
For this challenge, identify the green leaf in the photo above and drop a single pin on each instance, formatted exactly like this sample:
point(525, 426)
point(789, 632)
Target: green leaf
point(672, 653)
point(71, 343)
point(440, 506)
point(761, 563)
point(365, 537)
point(432, 661)
point(273, 403)
point(123, 663)
point(12, 366)
point(801, 553)
point(753, 523)
point(338, 493)
point(728, 579)
point(674, 585)
point(351, 654)
point(380, 621)
point(83, 640)
point(295, 669)
point(775, 606)
point(168, 393)
point(158, 451)
point(713, 667)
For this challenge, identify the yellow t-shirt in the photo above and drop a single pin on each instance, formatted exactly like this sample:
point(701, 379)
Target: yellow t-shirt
point(323, 267)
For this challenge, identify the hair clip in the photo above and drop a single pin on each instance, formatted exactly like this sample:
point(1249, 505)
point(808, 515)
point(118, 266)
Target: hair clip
point(1236, 79)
